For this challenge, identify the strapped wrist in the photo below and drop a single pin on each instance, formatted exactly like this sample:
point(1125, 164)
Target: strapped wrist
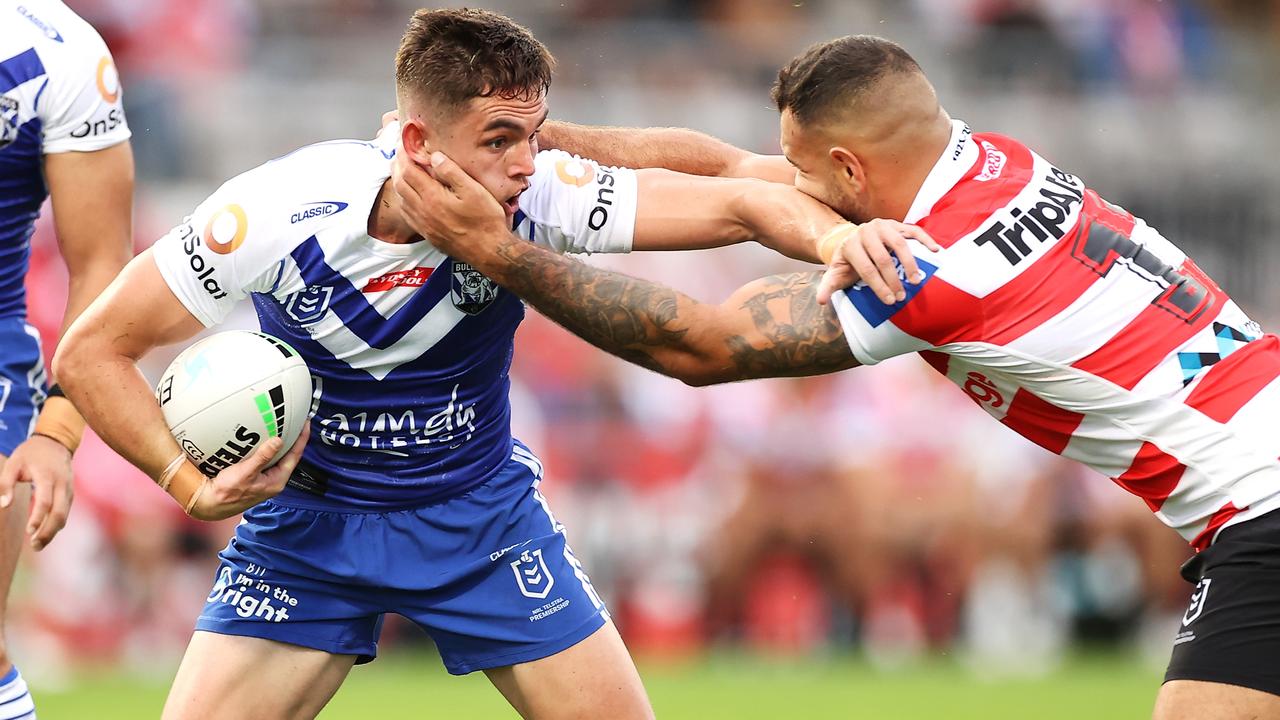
point(832, 240)
point(59, 420)
point(184, 482)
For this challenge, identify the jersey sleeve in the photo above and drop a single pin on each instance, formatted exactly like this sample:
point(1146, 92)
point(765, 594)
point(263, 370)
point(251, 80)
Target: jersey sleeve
point(232, 245)
point(578, 206)
point(868, 323)
point(81, 107)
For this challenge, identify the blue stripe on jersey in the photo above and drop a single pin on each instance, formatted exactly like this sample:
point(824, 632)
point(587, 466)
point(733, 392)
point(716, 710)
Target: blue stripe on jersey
point(40, 92)
point(22, 191)
point(19, 69)
point(356, 313)
point(520, 217)
point(434, 426)
point(367, 469)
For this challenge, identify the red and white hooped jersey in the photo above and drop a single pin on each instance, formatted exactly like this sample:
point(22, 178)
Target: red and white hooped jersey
point(1084, 330)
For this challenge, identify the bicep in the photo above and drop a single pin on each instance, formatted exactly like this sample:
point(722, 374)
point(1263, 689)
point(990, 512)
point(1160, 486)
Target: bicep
point(774, 327)
point(136, 313)
point(92, 198)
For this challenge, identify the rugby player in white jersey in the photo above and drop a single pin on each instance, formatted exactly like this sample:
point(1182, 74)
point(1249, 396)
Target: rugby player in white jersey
point(412, 496)
point(1065, 317)
point(62, 135)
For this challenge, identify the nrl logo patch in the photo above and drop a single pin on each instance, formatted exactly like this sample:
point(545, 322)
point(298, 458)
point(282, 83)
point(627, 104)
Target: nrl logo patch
point(472, 292)
point(8, 120)
point(309, 306)
point(532, 575)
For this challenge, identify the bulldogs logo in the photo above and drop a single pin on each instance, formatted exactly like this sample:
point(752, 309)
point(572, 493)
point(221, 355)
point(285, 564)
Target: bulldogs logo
point(472, 291)
point(8, 120)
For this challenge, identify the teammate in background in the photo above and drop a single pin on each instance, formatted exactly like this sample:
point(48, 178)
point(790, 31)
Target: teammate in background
point(1065, 317)
point(62, 135)
point(413, 497)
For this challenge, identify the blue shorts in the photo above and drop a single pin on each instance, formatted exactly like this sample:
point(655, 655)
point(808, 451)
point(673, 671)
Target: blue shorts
point(22, 378)
point(487, 574)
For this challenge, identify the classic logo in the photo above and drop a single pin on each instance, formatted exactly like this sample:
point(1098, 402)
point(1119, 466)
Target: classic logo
point(472, 291)
point(226, 229)
point(8, 120)
point(317, 209)
point(1198, 597)
point(309, 306)
point(49, 31)
point(575, 172)
point(532, 575)
point(108, 80)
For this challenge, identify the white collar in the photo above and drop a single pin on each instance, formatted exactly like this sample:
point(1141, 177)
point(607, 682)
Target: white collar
point(956, 160)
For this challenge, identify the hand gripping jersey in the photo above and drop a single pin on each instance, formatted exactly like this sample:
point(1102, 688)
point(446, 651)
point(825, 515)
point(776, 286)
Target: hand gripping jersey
point(410, 349)
point(1083, 329)
point(59, 92)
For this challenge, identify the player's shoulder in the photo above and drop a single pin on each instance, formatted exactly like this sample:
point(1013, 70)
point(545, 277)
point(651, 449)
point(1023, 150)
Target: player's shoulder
point(311, 184)
point(61, 39)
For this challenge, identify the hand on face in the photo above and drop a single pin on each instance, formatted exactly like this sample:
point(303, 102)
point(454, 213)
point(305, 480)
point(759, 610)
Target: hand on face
point(447, 206)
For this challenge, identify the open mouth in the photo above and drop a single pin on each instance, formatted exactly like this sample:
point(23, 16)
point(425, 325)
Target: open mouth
point(512, 204)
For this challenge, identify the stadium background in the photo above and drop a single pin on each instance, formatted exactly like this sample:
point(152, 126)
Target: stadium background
point(862, 545)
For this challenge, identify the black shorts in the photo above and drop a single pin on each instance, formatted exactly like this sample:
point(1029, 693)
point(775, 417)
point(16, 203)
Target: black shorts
point(1230, 632)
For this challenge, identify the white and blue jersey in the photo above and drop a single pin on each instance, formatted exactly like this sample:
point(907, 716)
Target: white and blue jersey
point(410, 349)
point(59, 92)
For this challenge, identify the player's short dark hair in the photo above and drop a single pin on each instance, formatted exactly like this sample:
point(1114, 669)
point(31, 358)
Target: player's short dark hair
point(447, 57)
point(831, 74)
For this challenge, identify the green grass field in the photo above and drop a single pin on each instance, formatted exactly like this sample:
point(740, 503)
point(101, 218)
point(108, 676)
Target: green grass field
point(399, 686)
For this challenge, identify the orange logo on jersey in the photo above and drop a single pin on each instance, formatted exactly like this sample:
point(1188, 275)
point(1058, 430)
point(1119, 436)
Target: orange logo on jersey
point(575, 172)
point(226, 229)
point(108, 80)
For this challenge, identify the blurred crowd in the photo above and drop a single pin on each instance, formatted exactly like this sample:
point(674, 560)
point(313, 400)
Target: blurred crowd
point(876, 509)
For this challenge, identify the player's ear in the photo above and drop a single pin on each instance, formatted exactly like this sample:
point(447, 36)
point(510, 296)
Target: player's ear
point(848, 167)
point(413, 138)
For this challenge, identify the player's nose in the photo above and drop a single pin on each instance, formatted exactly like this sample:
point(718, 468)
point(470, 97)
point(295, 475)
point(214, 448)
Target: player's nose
point(522, 162)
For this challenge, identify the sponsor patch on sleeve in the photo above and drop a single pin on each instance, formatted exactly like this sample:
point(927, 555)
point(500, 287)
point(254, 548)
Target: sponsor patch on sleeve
point(875, 312)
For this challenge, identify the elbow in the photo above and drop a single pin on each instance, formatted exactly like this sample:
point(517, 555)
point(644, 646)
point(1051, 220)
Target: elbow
point(71, 361)
point(702, 375)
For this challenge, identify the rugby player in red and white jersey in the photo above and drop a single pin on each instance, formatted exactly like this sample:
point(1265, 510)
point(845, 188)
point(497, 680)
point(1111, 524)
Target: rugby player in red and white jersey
point(1065, 317)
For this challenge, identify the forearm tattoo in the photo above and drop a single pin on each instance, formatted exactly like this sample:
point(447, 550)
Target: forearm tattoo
point(779, 331)
point(805, 340)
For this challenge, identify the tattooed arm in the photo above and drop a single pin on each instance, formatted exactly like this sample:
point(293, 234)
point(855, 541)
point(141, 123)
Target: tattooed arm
point(772, 327)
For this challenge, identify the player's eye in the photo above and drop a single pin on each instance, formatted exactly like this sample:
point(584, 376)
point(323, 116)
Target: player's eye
point(497, 143)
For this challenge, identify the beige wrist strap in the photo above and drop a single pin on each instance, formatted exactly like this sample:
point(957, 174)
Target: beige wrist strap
point(832, 240)
point(183, 481)
point(170, 470)
point(60, 421)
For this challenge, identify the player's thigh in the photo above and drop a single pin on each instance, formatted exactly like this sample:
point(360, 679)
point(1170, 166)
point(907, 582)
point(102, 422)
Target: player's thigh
point(231, 676)
point(1200, 700)
point(595, 678)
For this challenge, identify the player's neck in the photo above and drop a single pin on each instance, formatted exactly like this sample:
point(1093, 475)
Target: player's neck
point(908, 177)
point(386, 223)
